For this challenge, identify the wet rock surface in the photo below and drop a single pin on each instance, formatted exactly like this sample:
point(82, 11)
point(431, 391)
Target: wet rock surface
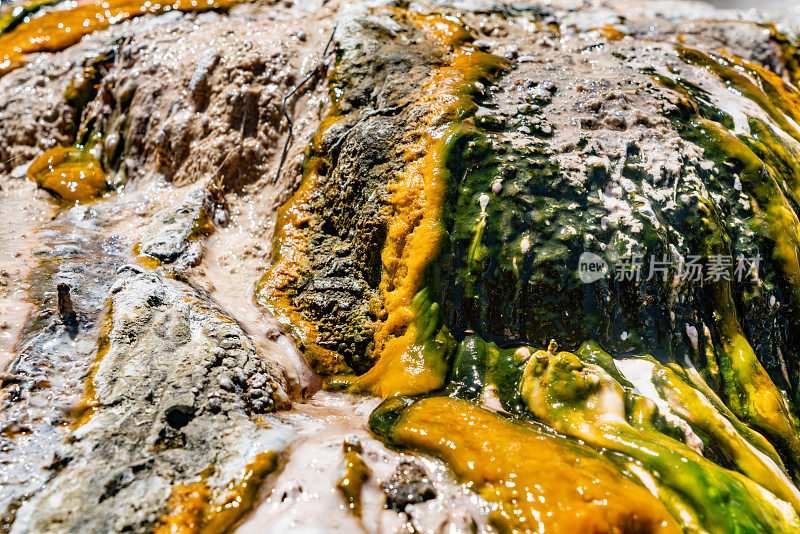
point(409, 484)
point(45, 380)
point(172, 237)
point(170, 396)
point(450, 165)
point(152, 417)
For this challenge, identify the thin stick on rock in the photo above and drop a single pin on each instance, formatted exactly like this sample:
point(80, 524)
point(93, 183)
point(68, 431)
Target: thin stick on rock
point(291, 93)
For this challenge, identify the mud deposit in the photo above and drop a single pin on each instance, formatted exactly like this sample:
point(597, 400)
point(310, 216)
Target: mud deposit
point(448, 266)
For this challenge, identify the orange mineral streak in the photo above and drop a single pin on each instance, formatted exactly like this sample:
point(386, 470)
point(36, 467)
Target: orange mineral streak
point(441, 29)
point(144, 259)
point(413, 239)
point(291, 263)
point(72, 174)
point(87, 406)
point(415, 233)
point(193, 509)
point(229, 505)
point(539, 483)
point(611, 33)
point(187, 506)
point(59, 28)
point(404, 368)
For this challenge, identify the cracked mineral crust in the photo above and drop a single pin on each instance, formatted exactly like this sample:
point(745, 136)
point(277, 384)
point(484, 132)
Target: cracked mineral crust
point(440, 266)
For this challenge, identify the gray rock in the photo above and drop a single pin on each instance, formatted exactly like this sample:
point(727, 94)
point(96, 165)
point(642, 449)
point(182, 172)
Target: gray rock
point(161, 414)
point(54, 356)
point(409, 484)
point(169, 237)
point(205, 64)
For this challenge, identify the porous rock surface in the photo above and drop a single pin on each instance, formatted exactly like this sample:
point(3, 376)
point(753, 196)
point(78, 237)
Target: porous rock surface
point(152, 383)
point(185, 95)
point(172, 397)
point(171, 238)
point(53, 355)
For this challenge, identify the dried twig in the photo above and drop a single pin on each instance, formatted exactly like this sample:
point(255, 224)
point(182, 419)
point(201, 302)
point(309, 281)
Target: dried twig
point(314, 72)
point(215, 187)
point(12, 159)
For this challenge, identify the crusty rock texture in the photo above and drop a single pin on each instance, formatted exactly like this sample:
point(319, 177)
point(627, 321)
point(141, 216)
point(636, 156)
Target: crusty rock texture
point(54, 353)
point(395, 199)
point(172, 237)
point(170, 397)
point(187, 96)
